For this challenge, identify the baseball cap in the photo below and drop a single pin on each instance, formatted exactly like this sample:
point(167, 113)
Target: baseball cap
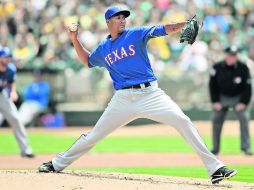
point(231, 50)
point(3, 53)
point(7, 51)
point(112, 11)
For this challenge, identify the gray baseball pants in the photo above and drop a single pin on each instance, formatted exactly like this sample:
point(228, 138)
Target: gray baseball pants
point(9, 111)
point(130, 104)
point(218, 119)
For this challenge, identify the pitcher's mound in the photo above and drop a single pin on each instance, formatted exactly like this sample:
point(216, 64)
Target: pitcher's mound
point(75, 180)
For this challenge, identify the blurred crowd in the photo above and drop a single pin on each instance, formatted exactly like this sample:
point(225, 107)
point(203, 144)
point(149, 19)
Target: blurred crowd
point(35, 31)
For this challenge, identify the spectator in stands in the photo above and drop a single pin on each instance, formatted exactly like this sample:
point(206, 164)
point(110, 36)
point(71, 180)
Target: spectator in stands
point(36, 99)
point(36, 31)
point(230, 87)
point(193, 57)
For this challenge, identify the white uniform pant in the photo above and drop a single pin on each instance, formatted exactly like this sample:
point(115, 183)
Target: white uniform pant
point(130, 104)
point(9, 111)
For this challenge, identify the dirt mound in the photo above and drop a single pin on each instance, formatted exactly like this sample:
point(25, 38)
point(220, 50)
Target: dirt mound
point(78, 180)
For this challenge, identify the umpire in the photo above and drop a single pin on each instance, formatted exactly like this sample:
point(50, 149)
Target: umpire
point(230, 87)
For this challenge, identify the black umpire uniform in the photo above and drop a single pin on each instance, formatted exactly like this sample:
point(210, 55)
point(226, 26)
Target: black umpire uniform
point(230, 87)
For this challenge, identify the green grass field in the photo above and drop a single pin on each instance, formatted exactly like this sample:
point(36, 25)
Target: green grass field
point(44, 143)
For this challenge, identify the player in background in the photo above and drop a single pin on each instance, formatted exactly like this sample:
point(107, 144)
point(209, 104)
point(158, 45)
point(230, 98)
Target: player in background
point(35, 98)
point(12, 66)
point(123, 53)
point(8, 95)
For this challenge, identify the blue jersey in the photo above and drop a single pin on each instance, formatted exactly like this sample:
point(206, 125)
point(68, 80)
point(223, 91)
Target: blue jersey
point(126, 57)
point(39, 92)
point(7, 77)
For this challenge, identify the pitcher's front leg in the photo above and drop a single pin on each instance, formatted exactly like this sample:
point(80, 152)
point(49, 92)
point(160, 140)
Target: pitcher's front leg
point(114, 117)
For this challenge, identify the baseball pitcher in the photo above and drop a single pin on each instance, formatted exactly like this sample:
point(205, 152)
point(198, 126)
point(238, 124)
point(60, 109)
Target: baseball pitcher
point(124, 54)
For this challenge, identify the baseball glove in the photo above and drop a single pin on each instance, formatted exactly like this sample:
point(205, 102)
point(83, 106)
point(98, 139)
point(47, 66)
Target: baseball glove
point(190, 31)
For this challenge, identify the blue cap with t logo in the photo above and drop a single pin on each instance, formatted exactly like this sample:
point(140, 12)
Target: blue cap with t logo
point(113, 11)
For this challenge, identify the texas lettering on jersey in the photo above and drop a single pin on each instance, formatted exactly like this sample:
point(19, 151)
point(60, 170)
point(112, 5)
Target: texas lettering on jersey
point(119, 54)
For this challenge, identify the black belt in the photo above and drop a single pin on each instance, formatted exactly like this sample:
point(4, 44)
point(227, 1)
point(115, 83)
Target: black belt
point(138, 86)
